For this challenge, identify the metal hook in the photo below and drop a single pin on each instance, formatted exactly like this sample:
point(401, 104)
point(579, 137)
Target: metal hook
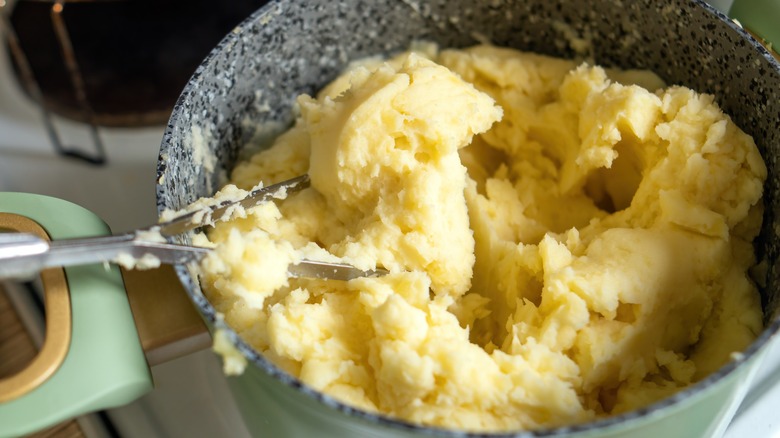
point(77, 81)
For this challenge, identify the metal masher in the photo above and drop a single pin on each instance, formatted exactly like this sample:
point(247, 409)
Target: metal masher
point(23, 255)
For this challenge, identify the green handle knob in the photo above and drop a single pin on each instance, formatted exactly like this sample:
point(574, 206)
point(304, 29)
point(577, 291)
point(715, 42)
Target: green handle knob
point(104, 365)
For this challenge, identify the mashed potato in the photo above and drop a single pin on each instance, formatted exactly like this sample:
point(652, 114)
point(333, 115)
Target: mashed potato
point(565, 243)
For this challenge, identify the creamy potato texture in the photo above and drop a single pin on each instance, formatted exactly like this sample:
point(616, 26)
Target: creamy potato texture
point(565, 242)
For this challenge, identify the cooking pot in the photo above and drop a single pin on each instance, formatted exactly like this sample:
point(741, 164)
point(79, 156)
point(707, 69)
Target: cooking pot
point(248, 85)
point(250, 80)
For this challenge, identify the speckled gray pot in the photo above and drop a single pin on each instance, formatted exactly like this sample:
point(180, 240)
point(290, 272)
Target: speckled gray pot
point(292, 47)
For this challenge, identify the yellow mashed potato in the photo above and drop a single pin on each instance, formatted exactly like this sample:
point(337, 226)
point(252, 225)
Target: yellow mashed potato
point(563, 243)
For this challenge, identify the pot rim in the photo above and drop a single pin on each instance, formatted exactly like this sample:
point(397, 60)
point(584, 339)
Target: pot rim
point(646, 413)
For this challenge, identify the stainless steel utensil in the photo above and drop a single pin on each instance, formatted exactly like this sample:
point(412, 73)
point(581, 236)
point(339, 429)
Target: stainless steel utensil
point(206, 216)
point(23, 255)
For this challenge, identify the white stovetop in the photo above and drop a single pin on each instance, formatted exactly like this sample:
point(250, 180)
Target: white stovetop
point(191, 396)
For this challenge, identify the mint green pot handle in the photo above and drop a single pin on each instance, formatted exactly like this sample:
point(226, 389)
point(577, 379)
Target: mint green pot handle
point(762, 17)
point(105, 365)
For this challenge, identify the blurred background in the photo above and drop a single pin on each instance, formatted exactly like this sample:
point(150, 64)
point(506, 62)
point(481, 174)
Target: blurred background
point(86, 87)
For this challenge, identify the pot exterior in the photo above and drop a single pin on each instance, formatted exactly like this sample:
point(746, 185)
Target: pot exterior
point(271, 409)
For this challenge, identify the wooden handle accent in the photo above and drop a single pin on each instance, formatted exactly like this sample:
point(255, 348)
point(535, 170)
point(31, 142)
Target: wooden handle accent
point(58, 320)
point(167, 322)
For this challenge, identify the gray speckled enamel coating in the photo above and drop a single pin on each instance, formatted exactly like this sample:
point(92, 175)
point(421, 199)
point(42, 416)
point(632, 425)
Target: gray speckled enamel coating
point(293, 47)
